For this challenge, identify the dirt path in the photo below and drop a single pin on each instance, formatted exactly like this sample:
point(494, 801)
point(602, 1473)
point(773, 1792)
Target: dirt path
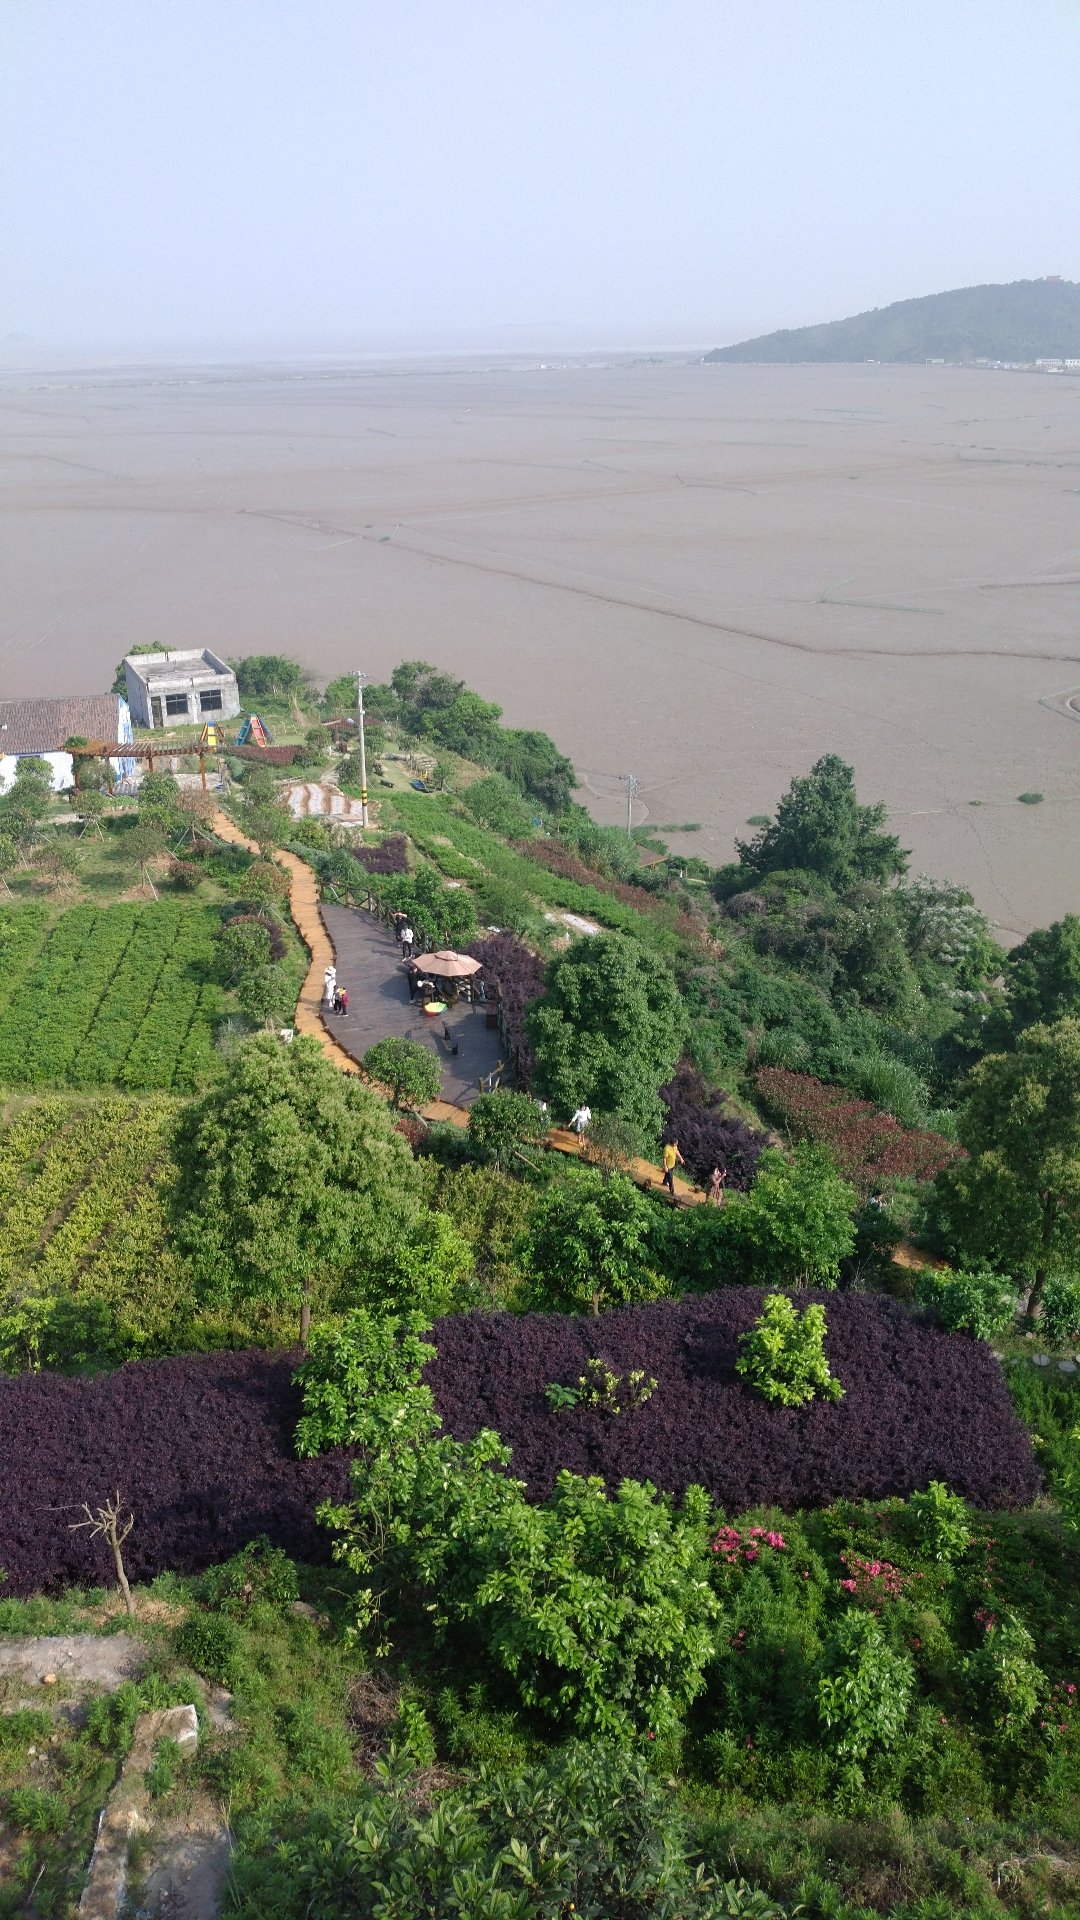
point(306, 911)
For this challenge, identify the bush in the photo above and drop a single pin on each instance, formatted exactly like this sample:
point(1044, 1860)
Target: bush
point(1061, 1311)
point(211, 1644)
point(794, 1226)
point(1006, 1683)
point(783, 1355)
point(974, 1301)
point(586, 1830)
point(867, 1147)
point(259, 1576)
point(407, 1067)
point(588, 1244)
point(863, 1689)
point(502, 1124)
point(940, 1522)
point(360, 1378)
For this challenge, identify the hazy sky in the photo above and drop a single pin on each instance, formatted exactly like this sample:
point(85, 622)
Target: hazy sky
point(334, 172)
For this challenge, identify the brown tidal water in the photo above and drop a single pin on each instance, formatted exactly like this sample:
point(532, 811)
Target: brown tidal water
point(703, 575)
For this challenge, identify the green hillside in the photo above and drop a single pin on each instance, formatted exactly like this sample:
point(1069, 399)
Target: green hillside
point(1024, 320)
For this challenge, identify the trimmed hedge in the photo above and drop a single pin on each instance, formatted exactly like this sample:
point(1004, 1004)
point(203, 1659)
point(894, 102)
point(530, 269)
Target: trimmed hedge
point(919, 1404)
point(200, 1449)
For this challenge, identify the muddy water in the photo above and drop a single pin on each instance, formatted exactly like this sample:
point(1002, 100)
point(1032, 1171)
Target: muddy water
point(703, 575)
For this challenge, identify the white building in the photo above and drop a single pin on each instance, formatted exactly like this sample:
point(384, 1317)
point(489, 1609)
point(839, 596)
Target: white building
point(179, 687)
point(37, 729)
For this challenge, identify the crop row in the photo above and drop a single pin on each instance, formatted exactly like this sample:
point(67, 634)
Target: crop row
point(22, 933)
point(74, 1155)
point(119, 994)
point(429, 824)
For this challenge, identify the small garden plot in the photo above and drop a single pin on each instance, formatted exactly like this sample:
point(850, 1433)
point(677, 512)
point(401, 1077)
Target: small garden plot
point(919, 1404)
point(200, 1449)
point(115, 994)
point(867, 1146)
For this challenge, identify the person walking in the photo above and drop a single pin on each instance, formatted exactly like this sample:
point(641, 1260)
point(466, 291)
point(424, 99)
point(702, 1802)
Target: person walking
point(579, 1122)
point(343, 1000)
point(716, 1186)
point(407, 938)
point(329, 986)
point(672, 1158)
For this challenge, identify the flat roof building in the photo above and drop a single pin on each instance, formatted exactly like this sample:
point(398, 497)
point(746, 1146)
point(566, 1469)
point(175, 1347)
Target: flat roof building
point(178, 687)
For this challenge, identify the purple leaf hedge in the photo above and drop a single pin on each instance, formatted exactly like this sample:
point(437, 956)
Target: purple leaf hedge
point(708, 1134)
point(919, 1404)
point(383, 856)
point(518, 973)
point(200, 1449)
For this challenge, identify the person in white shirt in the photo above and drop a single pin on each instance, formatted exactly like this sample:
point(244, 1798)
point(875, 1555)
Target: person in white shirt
point(579, 1121)
point(329, 981)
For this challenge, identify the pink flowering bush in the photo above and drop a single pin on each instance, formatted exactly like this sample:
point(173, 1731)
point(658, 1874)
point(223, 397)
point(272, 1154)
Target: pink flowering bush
point(742, 1546)
point(871, 1582)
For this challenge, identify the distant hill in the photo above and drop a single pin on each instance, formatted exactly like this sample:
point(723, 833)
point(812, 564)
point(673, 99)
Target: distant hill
point(1023, 320)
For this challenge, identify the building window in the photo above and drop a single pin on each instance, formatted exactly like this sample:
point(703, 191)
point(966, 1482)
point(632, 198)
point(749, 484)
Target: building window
point(176, 703)
point(211, 702)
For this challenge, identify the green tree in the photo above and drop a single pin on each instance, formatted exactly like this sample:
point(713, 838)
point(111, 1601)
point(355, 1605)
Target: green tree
point(502, 1124)
point(420, 1271)
point(339, 698)
point(1015, 1201)
point(588, 1244)
point(270, 677)
point(821, 828)
point(795, 1225)
point(408, 1068)
point(119, 679)
point(159, 803)
point(1042, 975)
point(608, 1029)
point(28, 799)
point(287, 1169)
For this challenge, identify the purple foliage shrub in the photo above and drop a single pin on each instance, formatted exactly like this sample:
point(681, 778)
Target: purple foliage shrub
point(919, 1404)
point(386, 856)
point(707, 1134)
point(200, 1449)
point(518, 974)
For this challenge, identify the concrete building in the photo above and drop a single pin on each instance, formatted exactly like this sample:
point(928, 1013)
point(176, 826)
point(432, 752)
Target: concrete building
point(37, 729)
point(180, 687)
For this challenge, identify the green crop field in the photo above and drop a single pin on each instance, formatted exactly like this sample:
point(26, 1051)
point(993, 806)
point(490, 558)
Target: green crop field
point(107, 995)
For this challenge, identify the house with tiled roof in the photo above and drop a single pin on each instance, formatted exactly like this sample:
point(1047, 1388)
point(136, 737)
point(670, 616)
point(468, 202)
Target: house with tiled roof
point(38, 729)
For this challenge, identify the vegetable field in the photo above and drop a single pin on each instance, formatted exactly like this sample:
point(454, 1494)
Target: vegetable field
point(120, 994)
point(83, 1229)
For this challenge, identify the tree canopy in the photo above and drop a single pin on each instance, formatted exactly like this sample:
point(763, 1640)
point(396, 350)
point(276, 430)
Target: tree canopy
point(821, 828)
point(407, 1067)
point(1015, 1201)
point(588, 1245)
point(1042, 974)
point(287, 1167)
point(608, 1030)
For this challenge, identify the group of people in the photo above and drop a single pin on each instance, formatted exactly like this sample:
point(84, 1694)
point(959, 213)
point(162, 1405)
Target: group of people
point(335, 998)
point(671, 1158)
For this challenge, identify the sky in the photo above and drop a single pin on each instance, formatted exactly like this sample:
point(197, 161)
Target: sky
point(325, 174)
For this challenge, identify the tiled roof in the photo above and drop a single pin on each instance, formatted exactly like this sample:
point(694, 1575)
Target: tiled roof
point(42, 726)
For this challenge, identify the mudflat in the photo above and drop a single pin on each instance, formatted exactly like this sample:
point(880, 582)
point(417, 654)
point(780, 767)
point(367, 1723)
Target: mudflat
point(704, 575)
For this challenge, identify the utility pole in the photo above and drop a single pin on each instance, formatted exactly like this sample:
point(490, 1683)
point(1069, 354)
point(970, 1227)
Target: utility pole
point(360, 679)
point(631, 783)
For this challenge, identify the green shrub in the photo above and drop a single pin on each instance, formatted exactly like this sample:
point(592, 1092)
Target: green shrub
point(1061, 1311)
point(972, 1300)
point(422, 1269)
point(35, 1811)
point(361, 1381)
point(210, 1643)
point(1006, 1683)
point(940, 1522)
point(863, 1688)
point(794, 1226)
point(783, 1354)
point(162, 1771)
point(588, 1245)
point(587, 1830)
point(259, 1575)
point(502, 1125)
point(407, 1067)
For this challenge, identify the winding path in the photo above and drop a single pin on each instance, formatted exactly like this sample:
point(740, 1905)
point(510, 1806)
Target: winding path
point(306, 910)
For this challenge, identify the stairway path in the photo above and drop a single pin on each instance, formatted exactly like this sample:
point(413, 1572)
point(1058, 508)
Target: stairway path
point(306, 911)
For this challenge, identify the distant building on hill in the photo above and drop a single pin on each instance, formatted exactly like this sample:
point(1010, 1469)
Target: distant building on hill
point(37, 729)
point(171, 689)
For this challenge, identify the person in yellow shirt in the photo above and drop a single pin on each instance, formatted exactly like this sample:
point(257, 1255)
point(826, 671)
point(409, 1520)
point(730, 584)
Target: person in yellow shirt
point(672, 1159)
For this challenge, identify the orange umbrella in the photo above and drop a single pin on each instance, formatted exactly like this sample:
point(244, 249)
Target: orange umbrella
point(449, 966)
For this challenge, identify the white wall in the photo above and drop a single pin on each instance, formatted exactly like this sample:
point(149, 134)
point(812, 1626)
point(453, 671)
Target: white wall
point(59, 762)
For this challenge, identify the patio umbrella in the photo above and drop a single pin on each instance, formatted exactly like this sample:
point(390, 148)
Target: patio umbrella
point(448, 966)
